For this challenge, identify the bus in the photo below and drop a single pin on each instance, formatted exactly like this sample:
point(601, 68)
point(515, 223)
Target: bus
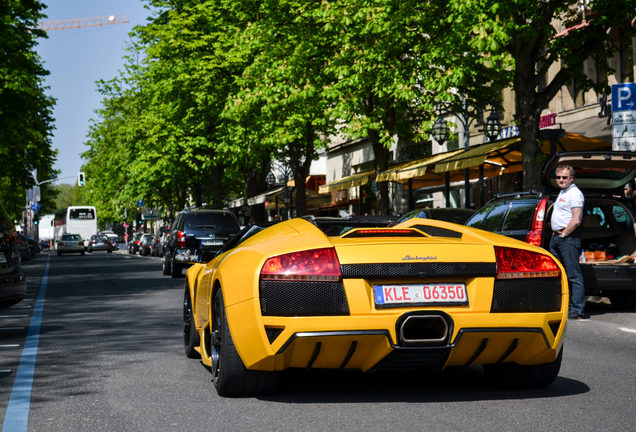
point(80, 220)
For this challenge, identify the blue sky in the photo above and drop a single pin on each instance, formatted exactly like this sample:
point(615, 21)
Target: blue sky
point(76, 59)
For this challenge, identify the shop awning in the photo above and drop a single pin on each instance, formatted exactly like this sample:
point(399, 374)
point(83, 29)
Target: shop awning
point(416, 168)
point(314, 199)
point(577, 142)
point(478, 155)
point(260, 199)
point(347, 182)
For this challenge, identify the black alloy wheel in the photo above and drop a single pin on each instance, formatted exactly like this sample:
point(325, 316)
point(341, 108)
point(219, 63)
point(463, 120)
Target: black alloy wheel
point(191, 338)
point(230, 376)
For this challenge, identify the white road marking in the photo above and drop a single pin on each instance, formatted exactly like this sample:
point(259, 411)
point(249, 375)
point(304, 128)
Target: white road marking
point(628, 330)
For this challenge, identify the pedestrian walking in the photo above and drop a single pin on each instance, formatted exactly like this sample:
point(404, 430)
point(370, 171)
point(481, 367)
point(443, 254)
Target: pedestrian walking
point(566, 236)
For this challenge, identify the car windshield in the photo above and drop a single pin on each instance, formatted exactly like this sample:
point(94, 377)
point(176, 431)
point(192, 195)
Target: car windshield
point(218, 221)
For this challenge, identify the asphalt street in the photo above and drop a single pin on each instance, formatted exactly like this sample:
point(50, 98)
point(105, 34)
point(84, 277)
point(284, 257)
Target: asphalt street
point(109, 357)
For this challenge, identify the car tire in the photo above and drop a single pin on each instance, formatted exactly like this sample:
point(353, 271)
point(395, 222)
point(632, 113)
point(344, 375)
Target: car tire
point(175, 271)
point(191, 338)
point(59, 253)
point(622, 300)
point(513, 375)
point(165, 267)
point(110, 251)
point(231, 377)
point(129, 250)
point(82, 253)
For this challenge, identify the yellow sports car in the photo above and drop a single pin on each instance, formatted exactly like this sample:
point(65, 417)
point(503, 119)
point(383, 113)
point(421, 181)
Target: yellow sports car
point(423, 294)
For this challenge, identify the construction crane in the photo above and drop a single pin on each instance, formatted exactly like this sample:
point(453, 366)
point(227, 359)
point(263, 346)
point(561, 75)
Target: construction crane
point(83, 22)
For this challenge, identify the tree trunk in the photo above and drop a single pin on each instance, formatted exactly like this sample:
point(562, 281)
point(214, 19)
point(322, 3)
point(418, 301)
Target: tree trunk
point(300, 169)
point(381, 154)
point(256, 184)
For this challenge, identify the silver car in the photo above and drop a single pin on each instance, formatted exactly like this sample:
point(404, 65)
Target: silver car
point(70, 243)
point(100, 242)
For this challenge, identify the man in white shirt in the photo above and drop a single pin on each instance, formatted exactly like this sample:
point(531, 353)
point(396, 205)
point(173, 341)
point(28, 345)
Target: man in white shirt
point(566, 236)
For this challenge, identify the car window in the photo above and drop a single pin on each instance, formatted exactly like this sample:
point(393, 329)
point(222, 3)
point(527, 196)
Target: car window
point(623, 218)
point(70, 237)
point(476, 220)
point(218, 221)
point(520, 216)
point(495, 218)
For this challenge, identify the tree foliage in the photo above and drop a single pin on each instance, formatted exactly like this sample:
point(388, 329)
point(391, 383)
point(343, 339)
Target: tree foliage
point(523, 35)
point(25, 111)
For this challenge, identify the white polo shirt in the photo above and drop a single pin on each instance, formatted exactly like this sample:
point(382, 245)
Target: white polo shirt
point(568, 199)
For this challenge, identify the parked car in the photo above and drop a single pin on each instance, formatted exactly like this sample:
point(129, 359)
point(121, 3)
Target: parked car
point(607, 223)
point(100, 242)
point(133, 243)
point(45, 244)
point(454, 215)
point(70, 243)
point(34, 246)
point(12, 279)
point(23, 246)
point(145, 242)
point(194, 234)
point(424, 294)
point(157, 241)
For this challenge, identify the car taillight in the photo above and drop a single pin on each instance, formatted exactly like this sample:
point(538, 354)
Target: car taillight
point(181, 239)
point(535, 236)
point(80, 243)
point(311, 265)
point(90, 242)
point(519, 263)
point(60, 244)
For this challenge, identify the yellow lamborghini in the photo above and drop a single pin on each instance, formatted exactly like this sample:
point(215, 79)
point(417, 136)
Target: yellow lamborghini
point(423, 294)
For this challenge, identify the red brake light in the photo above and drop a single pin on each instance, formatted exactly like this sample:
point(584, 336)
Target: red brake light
point(80, 243)
point(181, 239)
point(535, 236)
point(519, 263)
point(311, 265)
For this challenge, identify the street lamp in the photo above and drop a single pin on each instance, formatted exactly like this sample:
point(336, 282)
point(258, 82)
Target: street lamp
point(441, 131)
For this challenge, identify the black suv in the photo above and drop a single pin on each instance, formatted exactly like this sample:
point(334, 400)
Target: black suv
point(607, 224)
point(12, 280)
point(195, 236)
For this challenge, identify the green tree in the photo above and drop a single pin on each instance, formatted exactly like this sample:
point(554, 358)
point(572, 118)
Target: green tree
point(522, 34)
point(25, 111)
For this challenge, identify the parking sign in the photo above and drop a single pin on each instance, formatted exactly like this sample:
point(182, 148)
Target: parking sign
point(624, 117)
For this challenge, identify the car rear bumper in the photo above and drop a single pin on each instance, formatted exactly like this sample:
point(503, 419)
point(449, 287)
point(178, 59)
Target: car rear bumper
point(377, 341)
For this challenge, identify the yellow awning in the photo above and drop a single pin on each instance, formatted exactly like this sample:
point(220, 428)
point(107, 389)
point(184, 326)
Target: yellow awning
point(474, 157)
point(347, 182)
point(416, 168)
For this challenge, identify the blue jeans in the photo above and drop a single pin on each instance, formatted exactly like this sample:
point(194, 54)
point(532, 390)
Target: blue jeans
point(568, 250)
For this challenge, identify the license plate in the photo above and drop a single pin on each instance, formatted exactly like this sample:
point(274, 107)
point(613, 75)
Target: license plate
point(2, 258)
point(212, 242)
point(420, 294)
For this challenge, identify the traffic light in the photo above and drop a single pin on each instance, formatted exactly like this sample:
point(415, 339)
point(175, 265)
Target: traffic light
point(36, 219)
point(140, 221)
point(81, 179)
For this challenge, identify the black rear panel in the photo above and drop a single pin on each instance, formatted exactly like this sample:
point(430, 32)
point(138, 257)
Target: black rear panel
point(417, 270)
point(297, 298)
point(527, 295)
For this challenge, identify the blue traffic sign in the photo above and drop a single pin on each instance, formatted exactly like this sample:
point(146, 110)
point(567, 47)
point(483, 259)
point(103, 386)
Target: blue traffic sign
point(624, 97)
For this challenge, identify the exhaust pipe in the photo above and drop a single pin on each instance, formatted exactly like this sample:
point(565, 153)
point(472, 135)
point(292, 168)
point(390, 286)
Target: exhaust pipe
point(423, 330)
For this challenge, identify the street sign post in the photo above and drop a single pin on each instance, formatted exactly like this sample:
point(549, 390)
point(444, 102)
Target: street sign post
point(624, 116)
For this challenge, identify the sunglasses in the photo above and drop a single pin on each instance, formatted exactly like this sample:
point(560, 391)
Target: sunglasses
point(562, 177)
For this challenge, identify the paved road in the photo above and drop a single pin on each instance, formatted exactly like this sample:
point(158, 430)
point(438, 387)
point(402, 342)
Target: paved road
point(110, 358)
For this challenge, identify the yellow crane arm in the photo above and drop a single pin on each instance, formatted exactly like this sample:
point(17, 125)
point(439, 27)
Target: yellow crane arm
point(82, 22)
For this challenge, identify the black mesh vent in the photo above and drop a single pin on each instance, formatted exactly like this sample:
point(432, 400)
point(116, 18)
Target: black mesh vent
point(290, 298)
point(527, 295)
point(272, 333)
point(418, 270)
point(414, 359)
point(437, 232)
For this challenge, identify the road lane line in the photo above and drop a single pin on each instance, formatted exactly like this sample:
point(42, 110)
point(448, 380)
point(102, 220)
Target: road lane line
point(628, 330)
point(17, 415)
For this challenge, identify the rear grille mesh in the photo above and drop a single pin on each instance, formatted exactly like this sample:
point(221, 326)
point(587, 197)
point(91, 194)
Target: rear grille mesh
point(527, 295)
point(434, 231)
point(286, 298)
point(418, 270)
